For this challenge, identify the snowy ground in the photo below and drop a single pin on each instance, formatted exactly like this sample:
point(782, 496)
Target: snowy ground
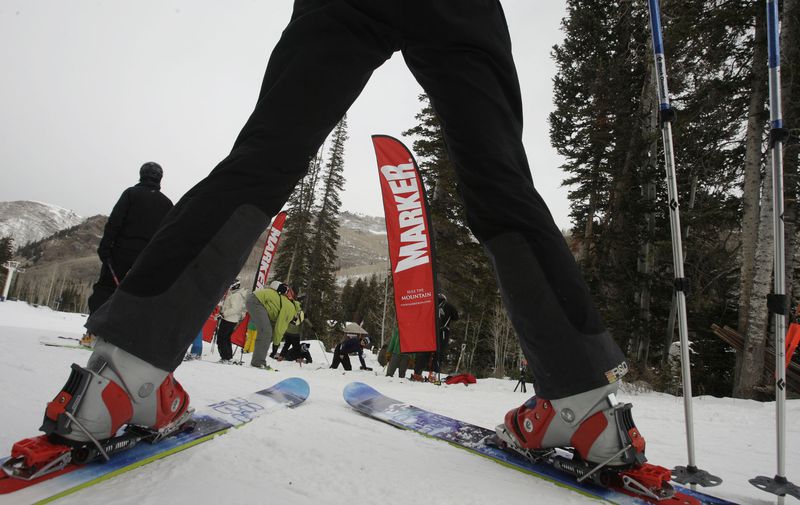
point(325, 453)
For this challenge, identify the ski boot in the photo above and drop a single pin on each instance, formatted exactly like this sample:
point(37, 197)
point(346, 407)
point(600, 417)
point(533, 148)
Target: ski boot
point(591, 436)
point(87, 340)
point(593, 422)
point(115, 389)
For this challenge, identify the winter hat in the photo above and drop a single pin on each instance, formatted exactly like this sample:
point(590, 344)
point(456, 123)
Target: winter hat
point(151, 171)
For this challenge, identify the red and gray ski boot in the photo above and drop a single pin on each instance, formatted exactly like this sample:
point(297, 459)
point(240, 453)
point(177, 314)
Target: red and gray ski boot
point(594, 423)
point(81, 424)
point(591, 436)
point(114, 389)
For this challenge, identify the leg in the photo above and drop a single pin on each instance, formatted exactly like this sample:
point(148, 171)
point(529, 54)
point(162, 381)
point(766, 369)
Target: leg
point(473, 87)
point(336, 357)
point(392, 365)
point(346, 362)
point(197, 345)
point(291, 350)
point(102, 289)
point(403, 365)
point(323, 60)
point(476, 91)
point(224, 339)
point(259, 316)
point(421, 362)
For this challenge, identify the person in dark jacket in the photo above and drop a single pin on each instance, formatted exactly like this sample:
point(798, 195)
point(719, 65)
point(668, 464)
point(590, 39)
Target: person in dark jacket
point(342, 351)
point(432, 360)
point(133, 221)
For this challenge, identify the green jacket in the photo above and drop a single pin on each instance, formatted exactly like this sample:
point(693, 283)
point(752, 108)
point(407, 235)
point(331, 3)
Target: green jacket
point(280, 309)
point(297, 321)
point(394, 343)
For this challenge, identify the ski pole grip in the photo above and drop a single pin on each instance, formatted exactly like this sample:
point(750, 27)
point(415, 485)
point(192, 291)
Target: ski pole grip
point(778, 135)
point(666, 116)
point(682, 284)
point(778, 304)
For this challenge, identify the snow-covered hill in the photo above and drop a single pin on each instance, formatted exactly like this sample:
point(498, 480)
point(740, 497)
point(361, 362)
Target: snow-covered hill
point(28, 221)
point(324, 453)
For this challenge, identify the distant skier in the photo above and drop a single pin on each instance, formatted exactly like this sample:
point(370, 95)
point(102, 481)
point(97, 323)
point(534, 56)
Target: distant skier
point(398, 360)
point(432, 360)
point(342, 351)
point(133, 221)
point(196, 350)
point(460, 53)
point(291, 339)
point(231, 314)
point(271, 311)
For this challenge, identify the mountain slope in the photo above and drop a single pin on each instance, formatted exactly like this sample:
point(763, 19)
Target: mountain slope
point(27, 221)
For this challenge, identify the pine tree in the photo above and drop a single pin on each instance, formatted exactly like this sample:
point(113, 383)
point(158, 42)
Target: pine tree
point(292, 262)
point(322, 295)
point(6, 253)
point(605, 126)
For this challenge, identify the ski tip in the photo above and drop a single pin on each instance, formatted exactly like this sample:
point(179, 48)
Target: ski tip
point(357, 389)
point(295, 385)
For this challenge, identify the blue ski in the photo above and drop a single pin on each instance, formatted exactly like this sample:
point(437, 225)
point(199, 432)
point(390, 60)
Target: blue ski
point(372, 403)
point(210, 421)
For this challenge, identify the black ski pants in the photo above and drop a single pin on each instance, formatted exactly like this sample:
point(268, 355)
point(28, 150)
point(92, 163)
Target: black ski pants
point(291, 346)
point(341, 357)
point(224, 332)
point(460, 53)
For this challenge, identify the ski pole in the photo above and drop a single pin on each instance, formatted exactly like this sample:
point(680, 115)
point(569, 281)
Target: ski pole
point(460, 355)
point(324, 352)
point(113, 273)
point(689, 474)
point(777, 301)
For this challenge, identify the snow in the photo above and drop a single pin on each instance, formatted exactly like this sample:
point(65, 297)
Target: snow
point(324, 452)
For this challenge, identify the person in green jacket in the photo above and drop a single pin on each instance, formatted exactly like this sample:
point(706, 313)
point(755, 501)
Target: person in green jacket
point(398, 359)
point(291, 339)
point(271, 311)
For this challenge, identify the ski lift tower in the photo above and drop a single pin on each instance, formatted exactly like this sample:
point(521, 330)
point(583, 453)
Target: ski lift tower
point(11, 266)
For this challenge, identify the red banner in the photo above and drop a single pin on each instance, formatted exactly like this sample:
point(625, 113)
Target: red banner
point(270, 247)
point(410, 251)
point(239, 335)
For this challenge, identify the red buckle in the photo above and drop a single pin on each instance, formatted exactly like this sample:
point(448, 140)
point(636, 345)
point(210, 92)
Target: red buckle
point(37, 451)
point(637, 440)
point(58, 405)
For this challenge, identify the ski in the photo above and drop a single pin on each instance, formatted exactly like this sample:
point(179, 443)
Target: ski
point(61, 341)
point(482, 441)
point(206, 423)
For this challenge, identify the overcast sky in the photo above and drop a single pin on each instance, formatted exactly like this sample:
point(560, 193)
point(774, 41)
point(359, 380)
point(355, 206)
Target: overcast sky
point(91, 89)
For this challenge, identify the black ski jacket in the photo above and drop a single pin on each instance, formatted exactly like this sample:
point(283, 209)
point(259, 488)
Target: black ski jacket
point(134, 220)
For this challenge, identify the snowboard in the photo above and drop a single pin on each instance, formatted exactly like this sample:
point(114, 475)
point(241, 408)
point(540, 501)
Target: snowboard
point(61, 341)
point(211, 420)
point(372, 403)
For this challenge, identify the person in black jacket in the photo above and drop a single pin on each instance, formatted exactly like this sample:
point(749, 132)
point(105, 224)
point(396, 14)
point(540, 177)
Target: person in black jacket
point(341, 353)
point(432, 360)
point(133, 221)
